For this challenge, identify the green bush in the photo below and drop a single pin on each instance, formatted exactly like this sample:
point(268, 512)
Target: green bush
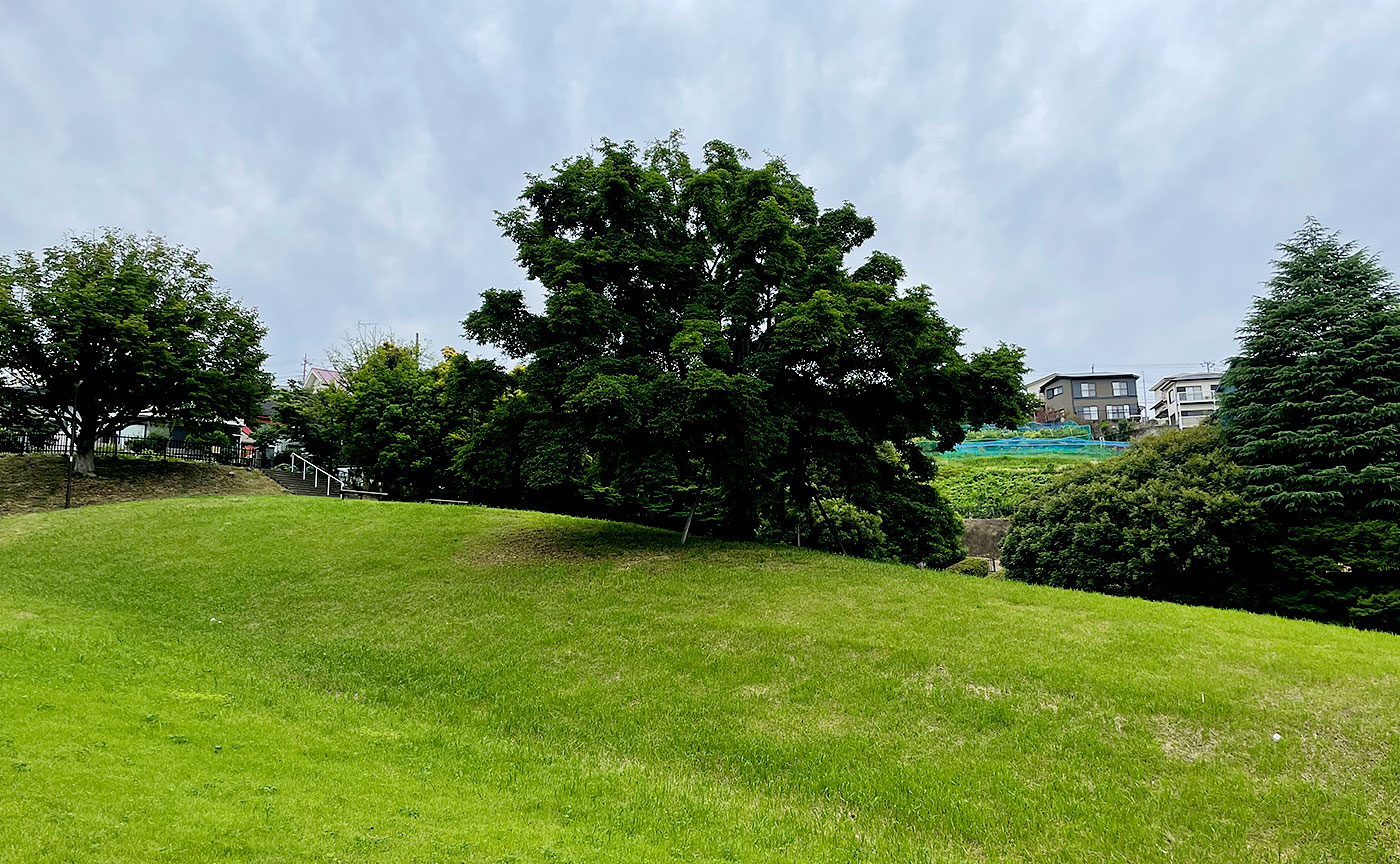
point(1169, 520)
point(1176, 519)
point(837, 524)
point(972, 567)
point(209, 439)
point(154, 443)
point(1378, 611)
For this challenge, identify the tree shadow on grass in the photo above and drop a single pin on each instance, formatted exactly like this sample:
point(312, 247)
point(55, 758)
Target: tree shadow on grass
point(564, 540)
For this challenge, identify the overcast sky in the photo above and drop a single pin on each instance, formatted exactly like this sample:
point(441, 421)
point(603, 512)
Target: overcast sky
point(1101, 183)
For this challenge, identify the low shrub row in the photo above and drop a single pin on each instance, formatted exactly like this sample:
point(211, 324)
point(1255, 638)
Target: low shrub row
point(1175, 519)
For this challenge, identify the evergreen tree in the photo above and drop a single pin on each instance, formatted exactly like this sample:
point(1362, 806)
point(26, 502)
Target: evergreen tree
point(1311, 405)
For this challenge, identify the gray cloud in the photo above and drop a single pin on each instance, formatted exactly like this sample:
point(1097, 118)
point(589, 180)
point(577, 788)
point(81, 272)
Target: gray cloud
point(1102, 183)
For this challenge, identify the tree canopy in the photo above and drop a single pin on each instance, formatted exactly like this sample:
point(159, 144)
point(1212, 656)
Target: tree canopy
point(1312, 403)
point(99, 331)
point(1294, 505)
point(704, 347)
point(390, 417)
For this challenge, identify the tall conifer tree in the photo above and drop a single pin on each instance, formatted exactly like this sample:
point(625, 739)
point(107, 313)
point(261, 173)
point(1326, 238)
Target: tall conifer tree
point(1312, 403)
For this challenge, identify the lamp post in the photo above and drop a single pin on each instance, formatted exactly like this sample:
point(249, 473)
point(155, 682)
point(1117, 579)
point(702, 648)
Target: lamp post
point(68, 491)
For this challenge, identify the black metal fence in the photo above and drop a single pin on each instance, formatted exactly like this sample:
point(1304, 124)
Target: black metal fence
point(136, 447)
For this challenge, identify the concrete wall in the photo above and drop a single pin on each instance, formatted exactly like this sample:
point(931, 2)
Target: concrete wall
point(983, 537)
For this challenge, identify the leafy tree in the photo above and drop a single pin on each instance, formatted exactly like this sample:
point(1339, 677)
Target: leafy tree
point(837, 524)
point(1171, 519)
point(1312, 402)
point(310, 418)
point(98, 331)
point(468, 388)
point(396, 418)
point(704, 348)
point(392, 428)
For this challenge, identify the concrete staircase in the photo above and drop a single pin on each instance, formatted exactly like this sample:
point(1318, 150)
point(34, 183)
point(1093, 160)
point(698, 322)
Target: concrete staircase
point(293, 483)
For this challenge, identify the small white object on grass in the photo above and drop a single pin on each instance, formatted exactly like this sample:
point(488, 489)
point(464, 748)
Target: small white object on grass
point(215, 621)
point(1278, 737)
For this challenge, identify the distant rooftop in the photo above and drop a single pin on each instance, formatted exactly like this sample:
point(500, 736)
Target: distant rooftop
point(1052, 376)
point(1187, 376)
point(325, 376)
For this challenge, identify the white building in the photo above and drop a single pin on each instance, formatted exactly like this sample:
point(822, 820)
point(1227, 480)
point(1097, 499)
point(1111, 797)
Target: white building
point(1185, 400)
point(319, 379)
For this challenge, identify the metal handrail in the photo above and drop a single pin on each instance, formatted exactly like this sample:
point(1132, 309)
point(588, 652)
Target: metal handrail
point(315, 481)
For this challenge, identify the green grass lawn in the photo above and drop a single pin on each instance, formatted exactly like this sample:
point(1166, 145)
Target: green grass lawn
point(280, 678)
point(37, 481)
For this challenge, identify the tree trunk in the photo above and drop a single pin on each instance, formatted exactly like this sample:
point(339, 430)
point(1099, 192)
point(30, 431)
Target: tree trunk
point(85, 452)
point(85, 461)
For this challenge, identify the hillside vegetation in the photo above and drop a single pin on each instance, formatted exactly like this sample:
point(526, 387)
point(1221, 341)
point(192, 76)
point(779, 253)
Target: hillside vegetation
point(990, 487)
point(37, 482)
point(281, 678)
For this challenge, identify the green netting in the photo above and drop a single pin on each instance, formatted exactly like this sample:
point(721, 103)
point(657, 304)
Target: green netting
point(1032, 439)
point(1022, 446)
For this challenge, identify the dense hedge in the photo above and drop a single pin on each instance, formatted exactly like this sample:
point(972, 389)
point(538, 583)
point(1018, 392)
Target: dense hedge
point(1175, 519)
point(1169, 520)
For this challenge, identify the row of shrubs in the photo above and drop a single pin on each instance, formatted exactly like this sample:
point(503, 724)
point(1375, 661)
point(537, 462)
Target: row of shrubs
point(996, 433)
point(157, 443)
point(1174, 519)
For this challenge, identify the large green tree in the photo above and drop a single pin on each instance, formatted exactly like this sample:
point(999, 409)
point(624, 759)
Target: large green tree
point(705, 348)
point(1311, 405)
point(98, 331)
point(1311, 410)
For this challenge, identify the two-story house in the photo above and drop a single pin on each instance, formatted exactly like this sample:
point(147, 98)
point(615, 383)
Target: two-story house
point(1185, 400)
point(1089, 396)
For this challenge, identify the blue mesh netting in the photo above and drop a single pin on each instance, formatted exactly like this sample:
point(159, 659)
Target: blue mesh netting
point(1023, 446)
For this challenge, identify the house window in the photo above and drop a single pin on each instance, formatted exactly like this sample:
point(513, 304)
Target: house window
point(1053, 392)
point(1193, 393)
point(1120, 412)
point(1120, 388)
point(1088, 389)
point(1089, 412)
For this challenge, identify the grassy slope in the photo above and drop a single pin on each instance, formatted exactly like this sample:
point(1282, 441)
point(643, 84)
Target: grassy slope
point(286, 678)
point(32, 483)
